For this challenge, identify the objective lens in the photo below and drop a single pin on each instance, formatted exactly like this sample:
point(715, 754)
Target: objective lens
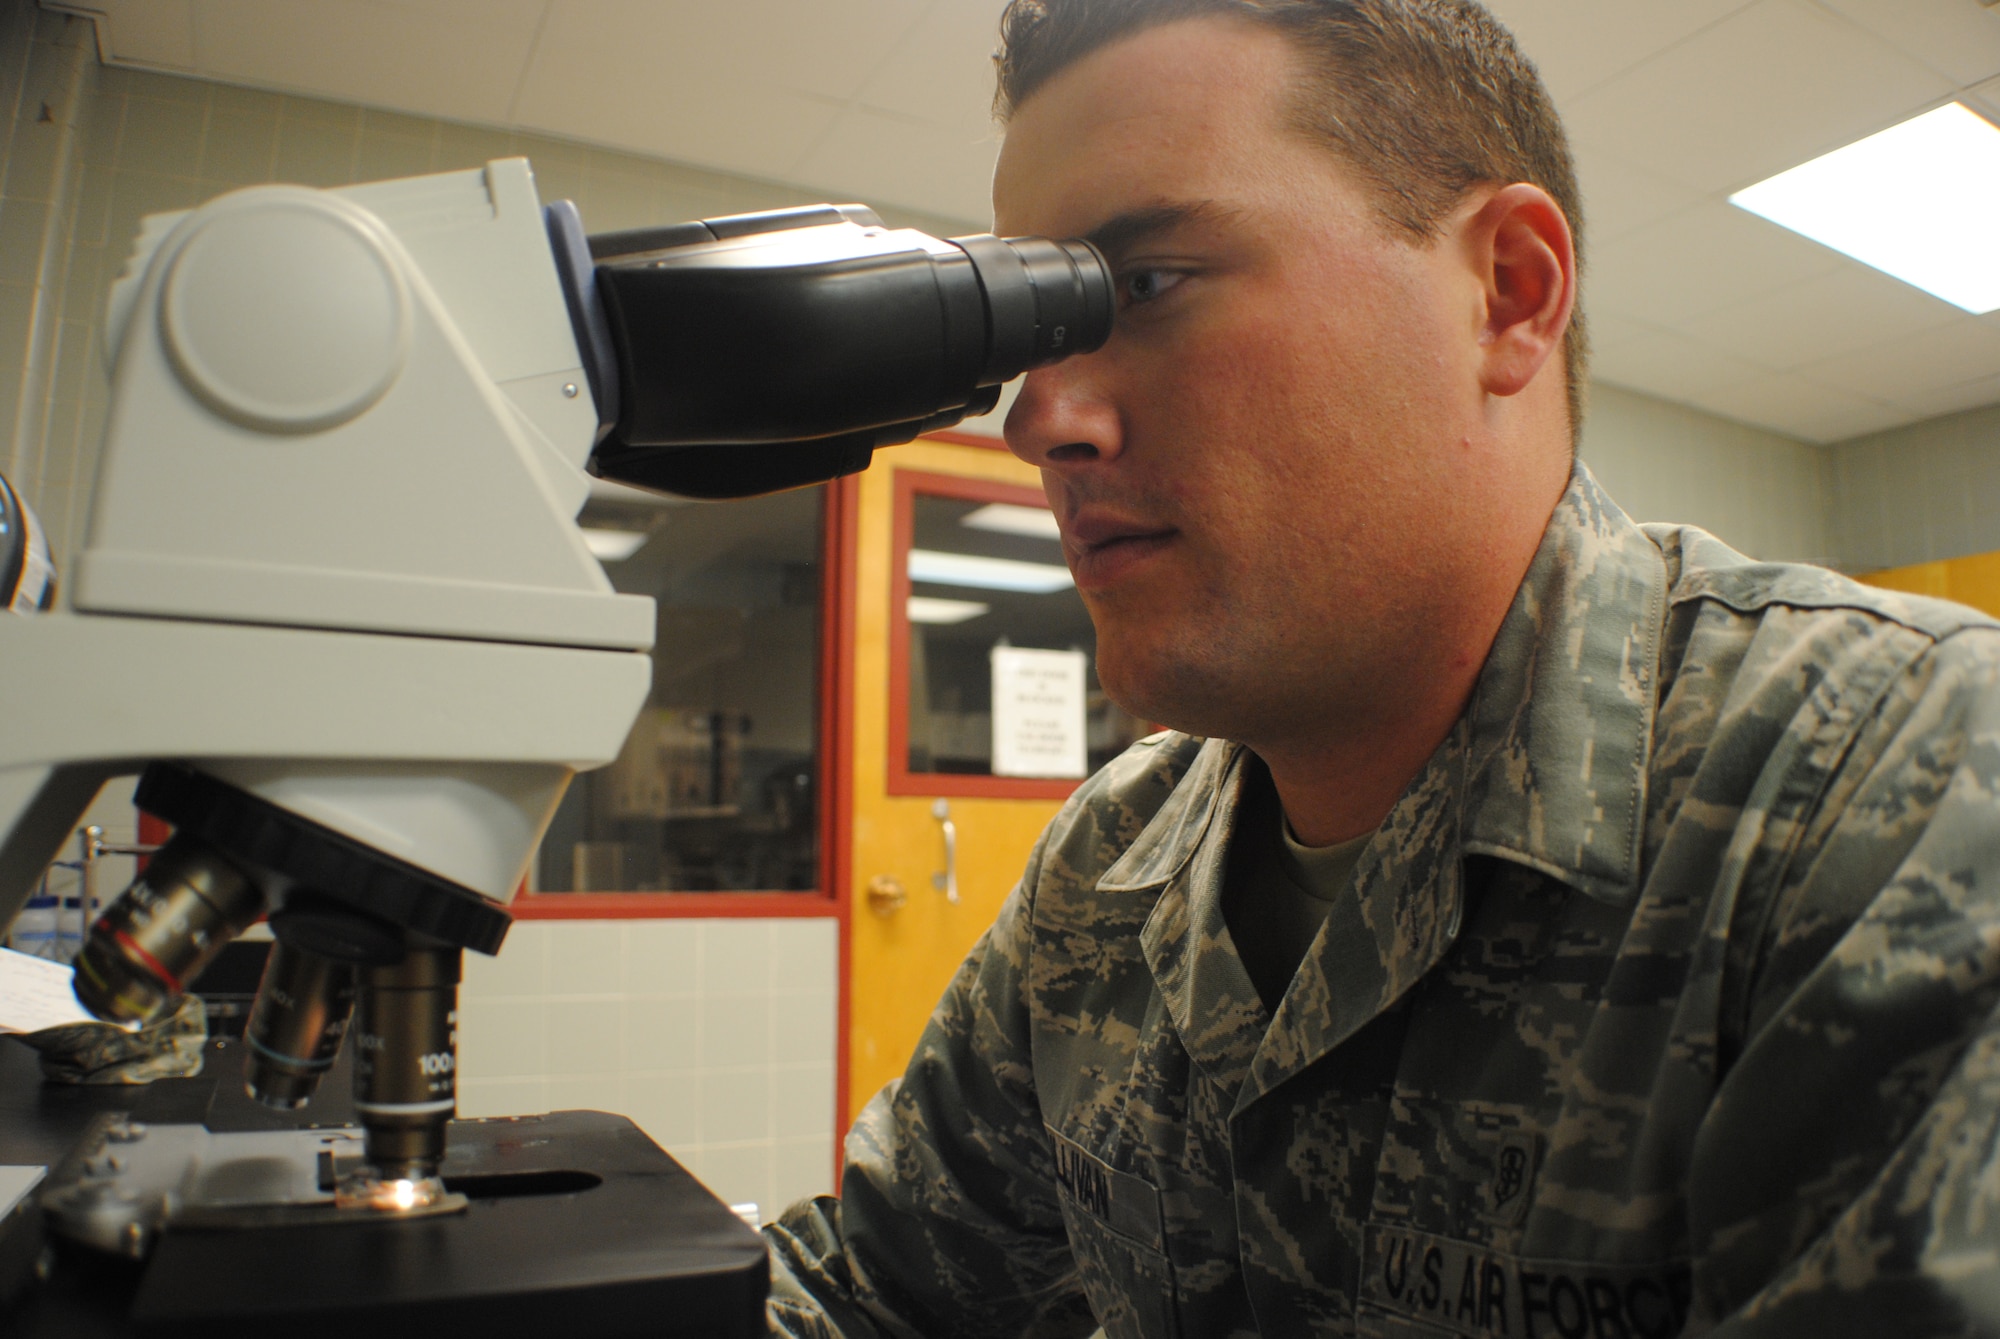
point(296, 1026)
point(406, 1063)
point(162, 931)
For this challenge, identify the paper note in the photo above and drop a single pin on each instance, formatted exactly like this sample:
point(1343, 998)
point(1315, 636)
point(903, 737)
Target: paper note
point(35, 993)
point(16, 1182)
point(1038, 713)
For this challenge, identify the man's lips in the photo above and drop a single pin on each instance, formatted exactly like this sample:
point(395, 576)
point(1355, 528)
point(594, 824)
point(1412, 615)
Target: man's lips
point(1103, 548)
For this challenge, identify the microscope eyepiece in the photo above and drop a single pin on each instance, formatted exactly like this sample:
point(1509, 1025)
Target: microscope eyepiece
point(772, 350)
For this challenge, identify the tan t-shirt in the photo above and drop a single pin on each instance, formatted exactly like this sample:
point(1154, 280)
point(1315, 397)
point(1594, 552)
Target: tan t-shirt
point(1277, 892)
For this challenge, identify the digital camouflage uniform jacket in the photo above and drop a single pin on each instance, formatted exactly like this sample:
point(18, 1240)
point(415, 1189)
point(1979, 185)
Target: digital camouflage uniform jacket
point(1663, 1001)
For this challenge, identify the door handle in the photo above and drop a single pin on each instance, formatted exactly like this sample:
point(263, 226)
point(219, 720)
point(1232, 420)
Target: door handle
point(885, 895)
point(946, 879)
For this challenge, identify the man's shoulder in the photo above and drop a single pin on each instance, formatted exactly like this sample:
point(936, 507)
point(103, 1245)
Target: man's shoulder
point(1703, 570)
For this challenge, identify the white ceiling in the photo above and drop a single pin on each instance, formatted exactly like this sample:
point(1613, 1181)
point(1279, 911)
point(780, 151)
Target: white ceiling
point(1672, 105)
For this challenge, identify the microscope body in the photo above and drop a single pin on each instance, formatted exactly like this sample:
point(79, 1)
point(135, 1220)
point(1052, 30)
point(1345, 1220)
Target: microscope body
point(334, 607)
point(333, 598)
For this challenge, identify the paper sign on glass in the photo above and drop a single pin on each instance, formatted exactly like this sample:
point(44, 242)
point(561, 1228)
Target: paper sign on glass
point(1038, 713)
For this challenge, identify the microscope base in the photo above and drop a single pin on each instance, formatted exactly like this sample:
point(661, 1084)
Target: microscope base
point(644, 1250)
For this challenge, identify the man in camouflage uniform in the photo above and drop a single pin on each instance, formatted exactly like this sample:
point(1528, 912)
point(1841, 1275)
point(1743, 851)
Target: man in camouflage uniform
point(1655, 993)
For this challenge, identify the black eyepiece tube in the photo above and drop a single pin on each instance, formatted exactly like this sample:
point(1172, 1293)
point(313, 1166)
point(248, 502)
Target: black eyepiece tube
point(773, 350)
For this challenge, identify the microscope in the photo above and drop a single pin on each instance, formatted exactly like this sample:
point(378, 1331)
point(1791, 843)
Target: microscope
point(334, 607)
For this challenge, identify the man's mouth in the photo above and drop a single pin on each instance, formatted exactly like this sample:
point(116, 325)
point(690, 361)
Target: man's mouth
point(1104, 549)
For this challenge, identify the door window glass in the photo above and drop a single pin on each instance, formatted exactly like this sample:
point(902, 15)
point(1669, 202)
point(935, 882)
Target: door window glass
point(716, 787)
point(1001, 677)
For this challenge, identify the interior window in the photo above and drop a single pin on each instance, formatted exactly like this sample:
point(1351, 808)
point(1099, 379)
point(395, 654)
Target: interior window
point(716, 787)
point(1001, 673)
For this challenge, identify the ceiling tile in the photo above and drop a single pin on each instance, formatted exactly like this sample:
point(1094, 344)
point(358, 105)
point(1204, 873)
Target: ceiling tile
point(647, 77)
point(1577, 46)
point(147, 32)
point(1763, 90)
point(1619, 199)
point(943, 69)
point(1790, 404)
point(824, 48)
point(1709, 257)
point(1958, 38)
point(1850, 308)
point(452, 58)
point(1905, 370)
point(887, 159)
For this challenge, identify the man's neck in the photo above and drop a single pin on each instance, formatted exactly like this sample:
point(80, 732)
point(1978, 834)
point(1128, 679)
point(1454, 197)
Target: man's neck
point(1343, 787)
point(1340, 780)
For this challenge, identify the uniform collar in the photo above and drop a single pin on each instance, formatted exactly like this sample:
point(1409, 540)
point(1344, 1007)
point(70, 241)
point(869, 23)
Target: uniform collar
point(1560, 726)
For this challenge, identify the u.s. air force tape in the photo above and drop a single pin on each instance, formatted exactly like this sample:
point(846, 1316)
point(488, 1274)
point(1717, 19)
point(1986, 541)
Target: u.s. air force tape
point(1469, 1290)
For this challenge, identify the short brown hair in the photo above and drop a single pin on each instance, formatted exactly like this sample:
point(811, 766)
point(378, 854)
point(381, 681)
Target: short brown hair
point(1427, 99)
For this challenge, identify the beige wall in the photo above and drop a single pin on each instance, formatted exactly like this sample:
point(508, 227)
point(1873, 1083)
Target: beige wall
point(1918, 494)
point(1763, 494)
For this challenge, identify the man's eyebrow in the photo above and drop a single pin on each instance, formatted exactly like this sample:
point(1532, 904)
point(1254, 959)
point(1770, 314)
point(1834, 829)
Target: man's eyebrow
point(1118, 235)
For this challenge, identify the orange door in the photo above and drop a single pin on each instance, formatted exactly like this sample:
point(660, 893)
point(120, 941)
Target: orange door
point(907, 936)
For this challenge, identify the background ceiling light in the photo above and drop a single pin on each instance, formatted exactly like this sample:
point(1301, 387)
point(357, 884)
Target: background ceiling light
point(614, 546)
point(1008, 519)
point(966, 569)
point(1920, 201)
point(930, 609)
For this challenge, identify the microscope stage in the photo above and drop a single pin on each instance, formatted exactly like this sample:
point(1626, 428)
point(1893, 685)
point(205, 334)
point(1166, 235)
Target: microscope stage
point(577, 1224)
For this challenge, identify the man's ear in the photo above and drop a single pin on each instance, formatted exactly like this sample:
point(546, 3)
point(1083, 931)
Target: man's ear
point(1524, 258)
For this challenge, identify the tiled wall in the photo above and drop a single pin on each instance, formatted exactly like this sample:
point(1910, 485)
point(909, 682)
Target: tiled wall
point(716, 1036)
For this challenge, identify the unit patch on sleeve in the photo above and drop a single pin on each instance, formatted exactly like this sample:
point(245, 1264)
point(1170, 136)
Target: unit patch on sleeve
point(1469, 1290)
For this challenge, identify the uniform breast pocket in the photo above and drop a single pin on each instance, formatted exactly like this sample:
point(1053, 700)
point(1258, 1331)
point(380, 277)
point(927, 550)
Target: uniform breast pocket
point(1117, 1236)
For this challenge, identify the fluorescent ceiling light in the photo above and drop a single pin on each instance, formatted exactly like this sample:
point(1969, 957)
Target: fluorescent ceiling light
point(1007, 519)
point(929, 609)
point(1920, 201)
point(966, 569)
point(614, 546)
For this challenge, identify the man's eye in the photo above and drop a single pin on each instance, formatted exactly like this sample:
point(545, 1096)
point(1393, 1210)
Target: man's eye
point(1138, 286)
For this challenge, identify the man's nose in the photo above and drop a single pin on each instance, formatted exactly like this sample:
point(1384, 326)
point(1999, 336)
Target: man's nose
point(1064, 417)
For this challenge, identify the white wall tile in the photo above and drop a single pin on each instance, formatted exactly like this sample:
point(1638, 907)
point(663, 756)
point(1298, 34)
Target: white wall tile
point(503, 1038)
point(802, 1103)
point(585, 1036)
point(502, 1097)
point(662, 1034)
point(736, 1029)
point(587, 959)
point(735, 1105)
point(735, 956)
